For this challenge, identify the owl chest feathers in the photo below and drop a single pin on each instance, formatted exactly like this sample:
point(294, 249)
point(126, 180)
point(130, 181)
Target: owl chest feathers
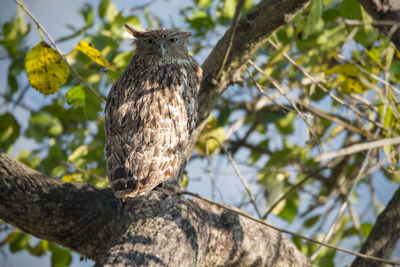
point(156, 92)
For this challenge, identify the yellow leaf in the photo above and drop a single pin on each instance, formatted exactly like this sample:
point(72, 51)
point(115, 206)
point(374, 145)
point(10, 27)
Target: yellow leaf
point(347, 78)
point(46, 69)
point(95, 55)
point(79, 152)
point(74, 177)
point(207, 142)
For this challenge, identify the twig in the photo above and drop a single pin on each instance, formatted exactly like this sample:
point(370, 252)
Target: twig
point(356, 180)
point(212, 178)
point(241, 213)
point(244, 183)
point(358, 147)
point(293, 104)
point(230, 40)
point(311, 108)
point(101, 98)
point(323, 88)
point(356, 222)
point(83, 170)
point(381, 22)
point(262, 91)
point(293, 188)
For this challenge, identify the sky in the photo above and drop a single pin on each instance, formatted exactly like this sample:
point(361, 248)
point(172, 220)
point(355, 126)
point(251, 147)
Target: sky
point(54, 15)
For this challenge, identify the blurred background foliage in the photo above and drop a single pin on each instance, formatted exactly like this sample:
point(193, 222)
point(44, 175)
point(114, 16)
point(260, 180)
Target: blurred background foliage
point(325, 81)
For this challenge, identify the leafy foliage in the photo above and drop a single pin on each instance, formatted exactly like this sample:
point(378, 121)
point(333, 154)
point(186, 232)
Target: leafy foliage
point(329, 57)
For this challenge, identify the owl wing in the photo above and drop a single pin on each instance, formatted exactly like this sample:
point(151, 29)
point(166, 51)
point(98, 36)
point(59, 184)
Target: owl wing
point(146, 134)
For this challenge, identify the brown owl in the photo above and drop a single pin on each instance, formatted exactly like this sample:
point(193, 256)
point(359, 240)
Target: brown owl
point(151, 112)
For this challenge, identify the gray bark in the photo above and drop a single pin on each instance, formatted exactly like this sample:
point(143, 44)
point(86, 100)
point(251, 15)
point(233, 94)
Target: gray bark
point(384, 235)
point(159, 229)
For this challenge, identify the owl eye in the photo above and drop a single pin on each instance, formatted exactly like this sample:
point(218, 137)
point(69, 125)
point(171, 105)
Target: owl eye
point(148, 41)
point(172, 40)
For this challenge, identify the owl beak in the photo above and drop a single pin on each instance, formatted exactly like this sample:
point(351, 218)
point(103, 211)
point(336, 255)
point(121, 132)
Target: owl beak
point(162, 50)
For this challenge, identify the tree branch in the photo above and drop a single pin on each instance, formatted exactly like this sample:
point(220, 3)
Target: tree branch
point(384, 235)
point(251, 32)
point(76, 216)
point(157, 229)
point(169, 230)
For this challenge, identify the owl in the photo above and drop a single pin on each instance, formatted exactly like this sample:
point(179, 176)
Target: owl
point(151, 112)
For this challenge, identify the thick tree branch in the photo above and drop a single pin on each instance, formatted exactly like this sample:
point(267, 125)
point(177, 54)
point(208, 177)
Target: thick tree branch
point(386, 14)
point(251, 32)
point(170, 230)
point(157, 229)
point(76, 216)
point(384, 235)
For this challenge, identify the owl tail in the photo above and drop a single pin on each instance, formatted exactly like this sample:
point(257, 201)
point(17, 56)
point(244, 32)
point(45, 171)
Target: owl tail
point(123, 182)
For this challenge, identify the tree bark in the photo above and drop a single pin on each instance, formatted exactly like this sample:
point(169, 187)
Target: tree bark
point(74, 215)
point(383, 11)
point(384, 235)
point(159, 229)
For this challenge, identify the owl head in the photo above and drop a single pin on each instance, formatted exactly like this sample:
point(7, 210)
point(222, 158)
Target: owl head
point(160, 44)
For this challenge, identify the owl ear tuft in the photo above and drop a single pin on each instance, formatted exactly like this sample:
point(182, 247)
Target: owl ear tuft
point(132, 30)
point(187, 34)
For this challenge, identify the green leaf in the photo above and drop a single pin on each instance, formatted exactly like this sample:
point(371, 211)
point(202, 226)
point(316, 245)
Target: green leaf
point(40, 249)
point(313, 17)
point(107, 10)
point(286, 124)
point(43, 124)
point(229, 8)
point(351, 9)
point(80, 95)
point(290, 210)
point(366, 228)
point(60, 257)
point(203, 3)
point(92, 105)
point(207, 142)
point(224, 115)
point(9, 131)
point(373, 53)
point(331, 38)
point(79, 152)
point(87, 13)
point(19, 242)
point(76, 96)
point(311, 221)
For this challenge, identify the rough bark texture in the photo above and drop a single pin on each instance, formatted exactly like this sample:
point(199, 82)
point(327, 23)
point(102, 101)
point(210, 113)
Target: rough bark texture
point(383, 11)
point(252, 30)
point(384, 235)
point(74, 215)
point(160, 229)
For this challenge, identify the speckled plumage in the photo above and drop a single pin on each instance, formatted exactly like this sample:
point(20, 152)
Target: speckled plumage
point(151, 112)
